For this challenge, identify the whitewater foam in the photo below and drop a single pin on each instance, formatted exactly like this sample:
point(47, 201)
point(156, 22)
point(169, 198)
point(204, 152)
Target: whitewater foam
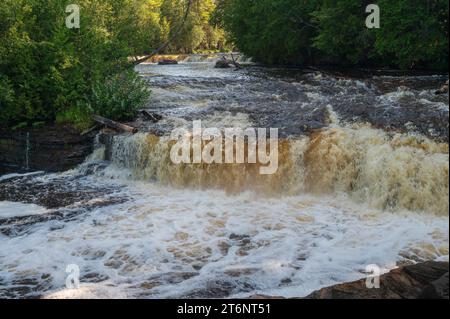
point(11, 209)
point(185, 243)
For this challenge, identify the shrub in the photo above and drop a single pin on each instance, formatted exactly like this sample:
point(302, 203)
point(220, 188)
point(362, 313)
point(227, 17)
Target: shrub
point(119, 97)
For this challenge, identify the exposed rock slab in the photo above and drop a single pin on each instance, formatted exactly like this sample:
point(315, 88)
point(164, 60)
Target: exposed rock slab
point(51, 148)
point(427, 280)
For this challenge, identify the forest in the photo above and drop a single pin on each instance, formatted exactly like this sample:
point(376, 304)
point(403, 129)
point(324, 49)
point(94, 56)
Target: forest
point(50, 73)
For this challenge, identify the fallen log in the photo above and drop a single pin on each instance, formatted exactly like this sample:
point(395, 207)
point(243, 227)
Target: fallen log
point(114, 125)
point(155, 118)
point(225, 63)
point(95, 127)
point(222, 64)
point(235, 63)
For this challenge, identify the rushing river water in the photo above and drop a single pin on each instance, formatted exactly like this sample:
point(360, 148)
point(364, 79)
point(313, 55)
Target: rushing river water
point(362, 179)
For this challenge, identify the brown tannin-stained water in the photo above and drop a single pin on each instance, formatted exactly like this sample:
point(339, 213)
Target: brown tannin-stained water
point(362, 179)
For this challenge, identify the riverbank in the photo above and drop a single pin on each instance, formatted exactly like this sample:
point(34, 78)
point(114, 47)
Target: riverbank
point(428, 280)
point(49, 148)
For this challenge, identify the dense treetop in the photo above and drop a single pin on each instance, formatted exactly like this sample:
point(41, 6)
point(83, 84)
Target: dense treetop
point(413, 33)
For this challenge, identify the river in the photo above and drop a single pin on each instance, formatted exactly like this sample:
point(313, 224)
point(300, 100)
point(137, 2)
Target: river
point(362, 180)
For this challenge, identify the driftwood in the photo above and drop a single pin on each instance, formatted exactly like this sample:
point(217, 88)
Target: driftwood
point(114, 125)
point(95, 127)
point(155, 118)
point(224, 63)
point(234, 62)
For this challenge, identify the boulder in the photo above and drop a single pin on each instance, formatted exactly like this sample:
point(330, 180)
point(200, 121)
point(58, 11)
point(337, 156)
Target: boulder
point(168, 62)
point(427, 280)
point(223, 64)
point(51, 148)
point(443, 89)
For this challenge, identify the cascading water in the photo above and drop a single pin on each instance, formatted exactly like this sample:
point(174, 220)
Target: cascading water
point(362, 179)
point(395, 172)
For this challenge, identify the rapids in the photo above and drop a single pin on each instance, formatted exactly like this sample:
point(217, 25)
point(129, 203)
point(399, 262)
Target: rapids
point(362, 179)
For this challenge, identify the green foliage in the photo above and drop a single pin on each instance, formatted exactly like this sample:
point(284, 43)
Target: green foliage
point(272, 31)
point(49, 72)
point(197, 34)
point(343, 37)
point(79, 115)
point(413, 33)
point(119, 97)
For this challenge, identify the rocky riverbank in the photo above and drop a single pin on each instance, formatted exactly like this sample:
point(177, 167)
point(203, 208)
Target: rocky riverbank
point(428, 280)
point(50, 148)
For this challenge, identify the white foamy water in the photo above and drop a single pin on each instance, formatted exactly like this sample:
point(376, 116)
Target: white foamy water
point(10, 210)
point(184, 243)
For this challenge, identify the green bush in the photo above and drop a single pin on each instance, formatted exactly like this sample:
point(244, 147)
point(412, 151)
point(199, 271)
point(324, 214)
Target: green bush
point(119, 97)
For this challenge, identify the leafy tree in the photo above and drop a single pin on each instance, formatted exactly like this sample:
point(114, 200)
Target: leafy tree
point(47, 69)
point(414, 33)
point(344, 38)
point(197, 34)
point(49, 72)
point(278, 31)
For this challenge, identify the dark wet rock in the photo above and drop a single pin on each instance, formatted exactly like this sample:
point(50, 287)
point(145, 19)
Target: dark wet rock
point(52, 192)
point(222, 64)
point(234, 236)
point(244, 243)
point(224, 247)
point(49, 148)
point(239, 272)
point(27, 287)
point(438, 289)
point(219, 289)
point(297, 103)
point(168, 62)
point(425, 280)
point(443, 89)
point(66, 198)
point(171, 278)
point(18, 226)
point(93, 278)
point(264, 297)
